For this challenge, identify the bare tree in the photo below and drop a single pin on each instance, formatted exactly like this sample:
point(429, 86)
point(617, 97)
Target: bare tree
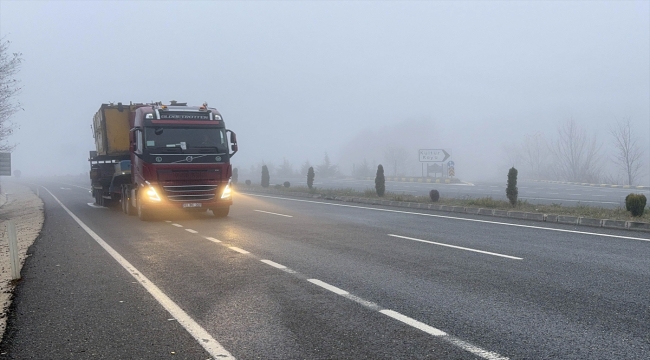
point(535, 154)
point(628, 153)
point(396, 157)
point(9, 67)
point(577, 155)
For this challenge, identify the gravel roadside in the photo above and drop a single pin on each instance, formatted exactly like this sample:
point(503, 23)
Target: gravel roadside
point(20, 204)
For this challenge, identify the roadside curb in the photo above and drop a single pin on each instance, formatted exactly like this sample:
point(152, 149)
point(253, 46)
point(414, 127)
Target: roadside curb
point(417, 179)
point(521, 215)
point(596, 185)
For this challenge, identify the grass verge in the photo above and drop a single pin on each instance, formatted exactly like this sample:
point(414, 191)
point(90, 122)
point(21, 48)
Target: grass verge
point(484, 202)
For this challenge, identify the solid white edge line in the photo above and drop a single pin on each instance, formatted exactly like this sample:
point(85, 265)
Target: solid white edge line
point(329, 287)
point(212, 346)
point(412, 322)
point(239, 250)
point(191, 231)
point(457, 218)
point(177, 225)
point(212, 239)
point(274, 264)
point(272, 213)
point(456, 247)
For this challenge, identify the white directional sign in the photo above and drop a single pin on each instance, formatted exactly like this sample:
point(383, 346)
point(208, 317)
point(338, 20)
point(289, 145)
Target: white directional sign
point(433, 155)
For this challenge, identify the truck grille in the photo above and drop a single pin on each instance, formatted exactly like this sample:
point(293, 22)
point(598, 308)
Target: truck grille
point(190, 193)
point(206, 175)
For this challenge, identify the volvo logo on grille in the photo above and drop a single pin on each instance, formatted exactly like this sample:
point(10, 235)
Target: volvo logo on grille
point(218, 158)
point(189, 159)
point(158, 159)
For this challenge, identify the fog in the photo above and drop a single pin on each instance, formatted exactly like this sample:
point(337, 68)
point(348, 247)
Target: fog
point(353, 80)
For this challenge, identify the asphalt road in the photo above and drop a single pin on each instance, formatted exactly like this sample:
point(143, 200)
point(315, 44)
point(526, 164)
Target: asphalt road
point(533, 192)
point(290, 278)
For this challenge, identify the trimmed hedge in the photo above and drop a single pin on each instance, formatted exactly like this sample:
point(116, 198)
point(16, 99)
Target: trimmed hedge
point(635, 204)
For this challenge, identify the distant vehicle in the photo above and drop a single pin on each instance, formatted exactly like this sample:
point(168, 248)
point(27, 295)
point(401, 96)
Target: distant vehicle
point(152, 157)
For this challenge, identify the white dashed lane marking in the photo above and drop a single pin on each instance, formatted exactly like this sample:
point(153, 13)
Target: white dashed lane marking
point(456, 247)
point(239, 250)
point(274, 264)
point(272, 213)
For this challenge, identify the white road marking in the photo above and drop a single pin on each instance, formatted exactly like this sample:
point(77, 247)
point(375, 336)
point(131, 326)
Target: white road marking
point(327, 286)
point(456, 218)
point(456, 247)
point(272, 213)
point(92, 205)
point(65, 188)
point(274, 264)
point(212, 346)
point(412, 322)
point(191, 231)
point(213, 239)
point(177, 225)
point(77, 186)
point(239, 250)
point(167, 221)
point(488, 355)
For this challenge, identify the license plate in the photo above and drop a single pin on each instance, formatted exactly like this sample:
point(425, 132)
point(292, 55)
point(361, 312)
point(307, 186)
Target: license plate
point(192, 205)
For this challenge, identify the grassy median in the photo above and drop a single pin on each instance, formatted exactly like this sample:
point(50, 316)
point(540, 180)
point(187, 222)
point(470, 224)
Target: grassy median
point(485, 202)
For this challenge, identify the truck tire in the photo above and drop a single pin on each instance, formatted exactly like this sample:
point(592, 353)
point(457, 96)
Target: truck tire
point(221, 212)
point(143, 214)
point(129, 209)
point(99, 200)
point(123, 200)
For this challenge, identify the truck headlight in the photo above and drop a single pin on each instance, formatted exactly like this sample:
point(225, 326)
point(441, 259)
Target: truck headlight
point(152, 194)
point(227, 192)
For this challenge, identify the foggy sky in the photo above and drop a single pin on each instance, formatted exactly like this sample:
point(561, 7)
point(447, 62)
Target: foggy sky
point(297, 80)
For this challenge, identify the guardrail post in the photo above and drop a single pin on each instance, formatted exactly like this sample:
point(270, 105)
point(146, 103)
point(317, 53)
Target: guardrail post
point(13, 250)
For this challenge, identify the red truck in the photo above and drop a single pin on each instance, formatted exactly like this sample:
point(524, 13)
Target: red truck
point(155, 157)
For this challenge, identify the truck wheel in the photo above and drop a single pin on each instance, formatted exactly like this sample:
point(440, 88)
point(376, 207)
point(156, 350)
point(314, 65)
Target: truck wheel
point(99, 199)
point(123, 201)
point(143, 214)
point(128, 208)
point(221, 212)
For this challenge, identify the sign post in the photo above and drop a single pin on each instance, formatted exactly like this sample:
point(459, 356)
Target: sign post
point(433, 156)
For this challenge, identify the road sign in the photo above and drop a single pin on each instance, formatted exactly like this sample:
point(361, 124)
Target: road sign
point(450, 164)
point(433, 155)
point(5, 164)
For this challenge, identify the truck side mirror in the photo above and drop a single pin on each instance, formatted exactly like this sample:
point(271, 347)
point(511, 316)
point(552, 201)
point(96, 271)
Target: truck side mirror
point(233, 142)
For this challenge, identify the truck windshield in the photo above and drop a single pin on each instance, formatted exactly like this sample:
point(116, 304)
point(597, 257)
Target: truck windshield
point(193, 138)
